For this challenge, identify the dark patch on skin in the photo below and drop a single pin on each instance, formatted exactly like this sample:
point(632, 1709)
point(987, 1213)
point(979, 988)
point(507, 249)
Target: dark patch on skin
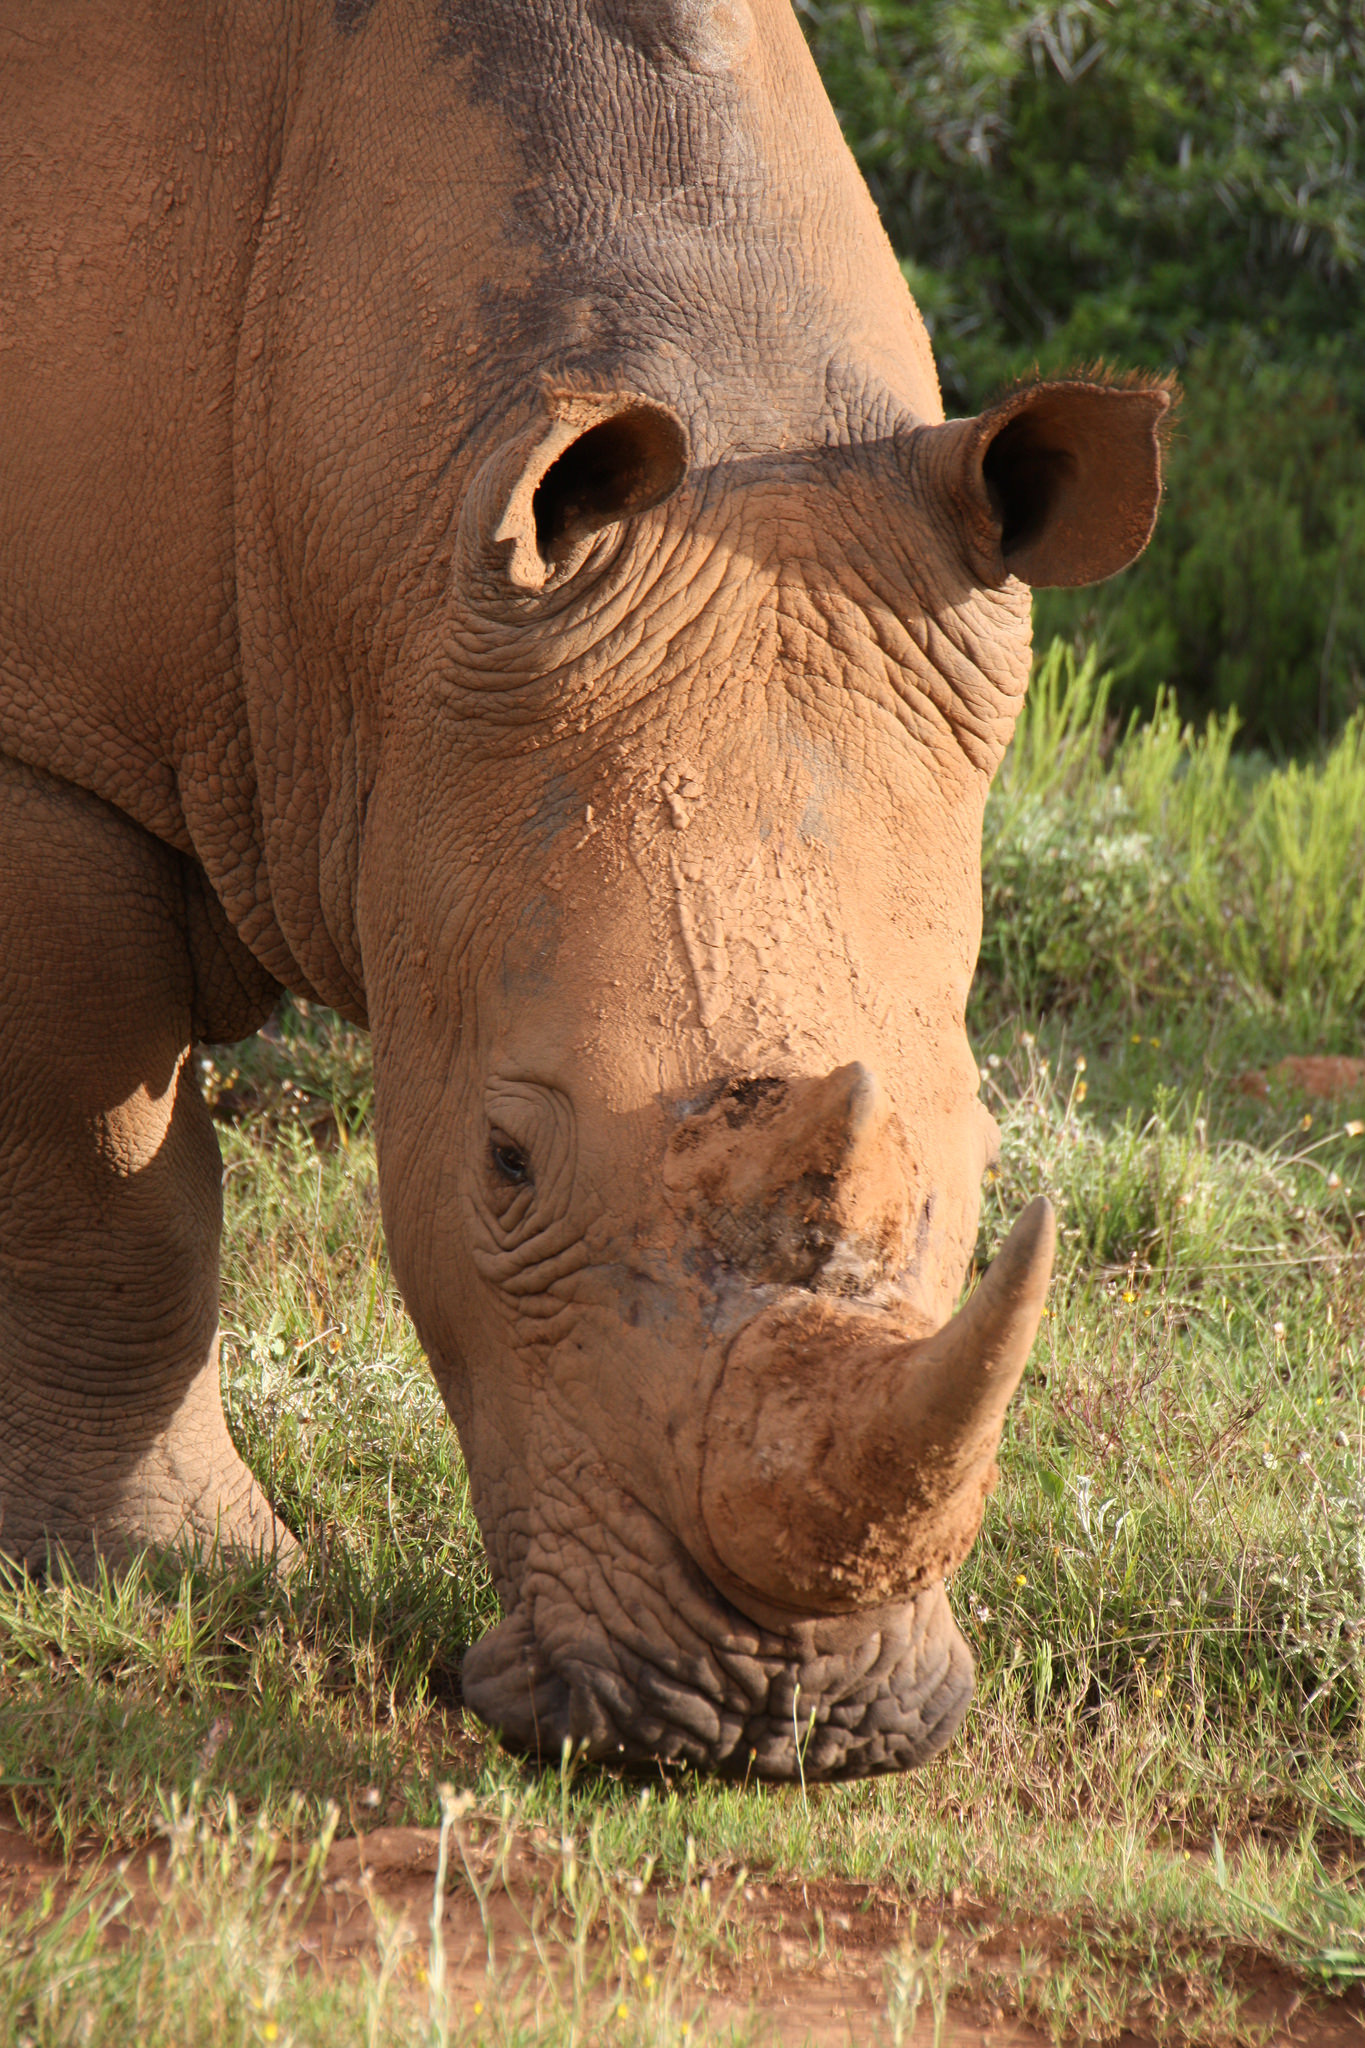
point(699, 1262)
point(646, 210)
point(813, 824)
point(743, 1097)
point(778, 1176)
point(747, 1095)
point(558, 71)
point(706, 36)
point(528, 963)
point(350, 16)
point(559, 803)
point(637, 179)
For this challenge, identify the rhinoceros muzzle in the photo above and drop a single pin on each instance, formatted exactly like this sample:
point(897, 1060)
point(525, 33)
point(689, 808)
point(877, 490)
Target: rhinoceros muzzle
point(797, 1618)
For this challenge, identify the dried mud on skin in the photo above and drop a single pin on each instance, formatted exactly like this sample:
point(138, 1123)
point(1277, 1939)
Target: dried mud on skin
point(816, 1954)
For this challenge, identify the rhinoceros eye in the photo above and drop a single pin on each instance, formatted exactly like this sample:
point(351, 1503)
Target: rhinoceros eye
point(510, 1163)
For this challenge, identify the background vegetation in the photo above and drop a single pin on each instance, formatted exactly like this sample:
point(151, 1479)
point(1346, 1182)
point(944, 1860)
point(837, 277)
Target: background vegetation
point(1171, 184)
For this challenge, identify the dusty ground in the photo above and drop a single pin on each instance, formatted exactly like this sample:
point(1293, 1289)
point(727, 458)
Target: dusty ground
point(814, 1957)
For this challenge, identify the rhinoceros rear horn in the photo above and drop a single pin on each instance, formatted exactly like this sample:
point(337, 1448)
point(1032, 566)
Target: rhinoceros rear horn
point(598, 460)
point(1058, 484)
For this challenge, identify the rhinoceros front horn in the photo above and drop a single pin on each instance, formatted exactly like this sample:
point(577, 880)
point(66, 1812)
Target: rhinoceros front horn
point(845, 1465)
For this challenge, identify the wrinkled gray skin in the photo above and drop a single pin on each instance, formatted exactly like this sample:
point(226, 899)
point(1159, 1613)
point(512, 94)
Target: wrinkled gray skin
point(479, 546)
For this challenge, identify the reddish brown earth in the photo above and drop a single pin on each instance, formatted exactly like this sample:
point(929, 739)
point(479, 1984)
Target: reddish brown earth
point(1326, 1077)
point(815, 1955)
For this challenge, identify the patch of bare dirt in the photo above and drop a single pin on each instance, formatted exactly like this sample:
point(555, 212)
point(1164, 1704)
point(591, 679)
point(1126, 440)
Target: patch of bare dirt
point(1323, 1077)
point(815, 1957)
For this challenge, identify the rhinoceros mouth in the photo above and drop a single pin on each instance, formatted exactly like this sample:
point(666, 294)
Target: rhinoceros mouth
point(620, 1647)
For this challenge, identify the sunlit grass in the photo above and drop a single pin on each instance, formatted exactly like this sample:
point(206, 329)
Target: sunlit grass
point(1157, 865)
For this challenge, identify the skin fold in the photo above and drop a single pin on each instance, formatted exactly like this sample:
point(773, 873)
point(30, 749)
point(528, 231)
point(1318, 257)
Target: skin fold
point(480, 547)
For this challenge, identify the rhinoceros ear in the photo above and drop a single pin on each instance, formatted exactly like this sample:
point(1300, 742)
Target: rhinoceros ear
point(1058, 484)
point(598, 460)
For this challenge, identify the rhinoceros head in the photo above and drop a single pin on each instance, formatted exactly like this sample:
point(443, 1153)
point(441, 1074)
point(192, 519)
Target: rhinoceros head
point(668, 640)
point(677, 904)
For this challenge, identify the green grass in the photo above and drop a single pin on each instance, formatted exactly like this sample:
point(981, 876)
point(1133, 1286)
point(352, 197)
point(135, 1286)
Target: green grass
point(1157, 865)
point(1160, 1786)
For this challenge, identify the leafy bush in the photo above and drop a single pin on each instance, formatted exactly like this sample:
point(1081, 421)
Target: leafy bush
point(1252, 593)
point(1086, 176)
point(1163, 184)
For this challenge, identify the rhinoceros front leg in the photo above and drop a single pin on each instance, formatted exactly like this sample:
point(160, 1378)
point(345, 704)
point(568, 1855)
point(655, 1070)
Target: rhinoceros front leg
point(111, 1427)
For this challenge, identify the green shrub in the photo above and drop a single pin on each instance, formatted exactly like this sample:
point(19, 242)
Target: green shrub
point(1127, 176)
point(1252, 593)
point(1162, 185)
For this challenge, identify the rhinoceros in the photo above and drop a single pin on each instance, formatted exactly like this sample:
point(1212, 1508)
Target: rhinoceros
point(481, 548)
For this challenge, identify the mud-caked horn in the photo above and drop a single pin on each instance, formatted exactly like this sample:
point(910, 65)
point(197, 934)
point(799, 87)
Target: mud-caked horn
point(848, 1464)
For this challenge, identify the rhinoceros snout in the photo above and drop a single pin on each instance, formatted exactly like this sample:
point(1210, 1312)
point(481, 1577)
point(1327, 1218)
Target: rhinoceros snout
point(754, 1582)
